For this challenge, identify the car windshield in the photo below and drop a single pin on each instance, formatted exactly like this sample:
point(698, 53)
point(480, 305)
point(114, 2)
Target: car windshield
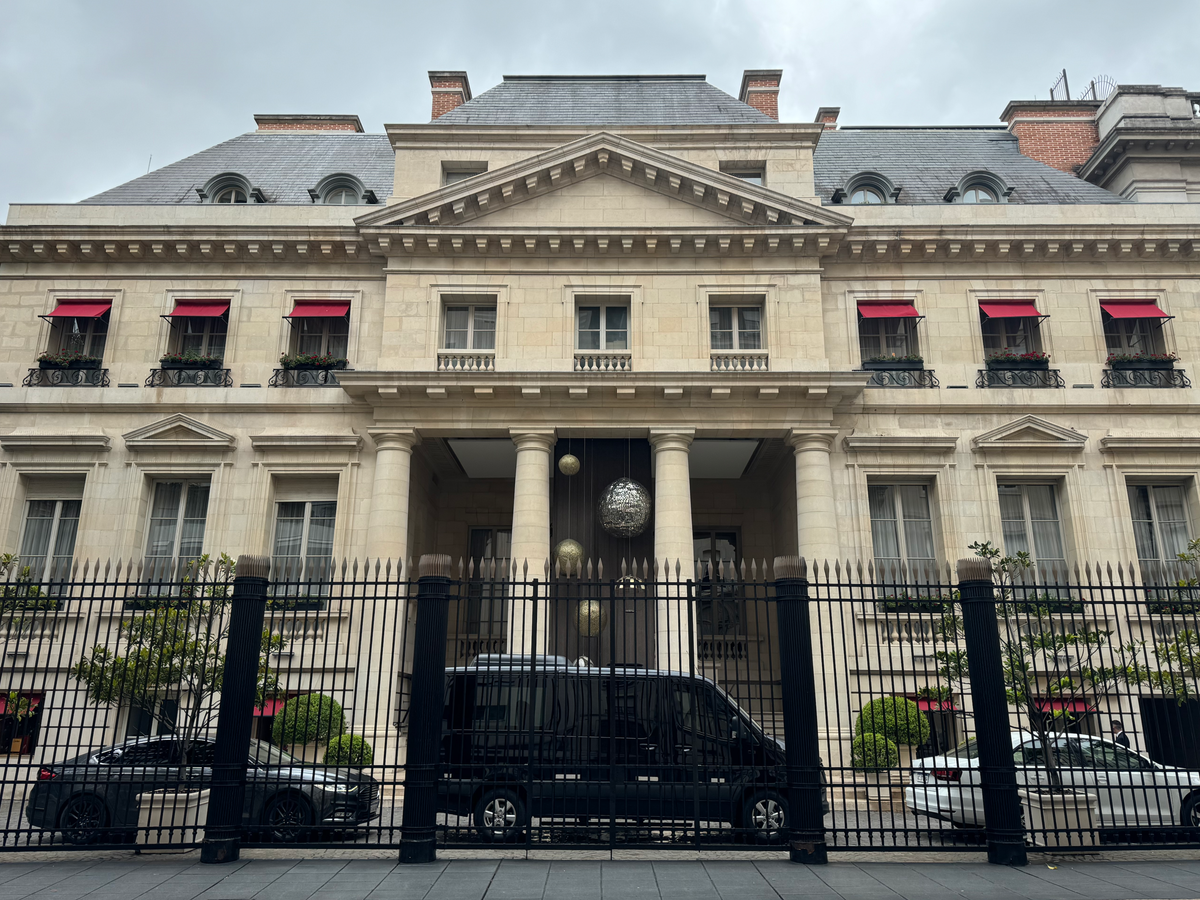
point(966, 750)
point(262, 752)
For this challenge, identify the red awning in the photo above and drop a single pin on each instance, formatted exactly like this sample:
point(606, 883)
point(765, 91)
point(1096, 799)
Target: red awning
point(936, 705)
point(205, 309)
point(1075, 706)
point(1133, 309)
point(34, 700)
point(887, 310)
point(270, 706)
point(330, 309)
point(80, 309)
point(1010, 309)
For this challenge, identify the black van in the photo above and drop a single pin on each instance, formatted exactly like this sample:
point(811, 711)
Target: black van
point(526, 738)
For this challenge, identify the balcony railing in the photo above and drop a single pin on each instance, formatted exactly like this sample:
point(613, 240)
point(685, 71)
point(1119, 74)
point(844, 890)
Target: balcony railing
point(603, 362)
point(66, 378)
point(190, 378)
point(1019, 378)
point(903, 378)
point(1144, 378)
point(466, 361)
point(303, 378)
point(739, 361)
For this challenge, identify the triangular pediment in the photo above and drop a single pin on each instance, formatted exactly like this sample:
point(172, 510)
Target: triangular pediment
point(178, 432)
point(729, 201)
point(1030, 433)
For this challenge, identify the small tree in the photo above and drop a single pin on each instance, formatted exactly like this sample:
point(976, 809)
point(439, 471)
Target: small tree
point(898, 719)
point(308, 719)
point(177, 649)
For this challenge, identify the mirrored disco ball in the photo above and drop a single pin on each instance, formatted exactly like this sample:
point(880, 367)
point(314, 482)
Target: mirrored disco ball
point(624, 508)
point(591, 617)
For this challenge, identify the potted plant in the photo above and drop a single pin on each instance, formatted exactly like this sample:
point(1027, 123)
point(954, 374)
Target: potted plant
point(312, 361)
point(189, 359)
point(348, 750)
point(1141, 360)
point(906, 603)
point(1010, 359)
point(907, 361)
point(301, 603)
point(872, 756)
point(21, 594)
point(899, 720)
point(68, 359)
point(22, 709)
point(306, 723)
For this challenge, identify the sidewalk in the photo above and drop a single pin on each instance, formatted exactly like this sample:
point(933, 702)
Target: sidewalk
point(144, 878)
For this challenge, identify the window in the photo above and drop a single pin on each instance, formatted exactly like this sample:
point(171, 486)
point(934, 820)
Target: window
point(977, 193)
point(178, 513)
point(753, 172)
point(470, 327)
point(142, 722)
point(322, 335)
point(201, 335)
point(884, 338)
point(735, 327)
point(1029, 521)
point(230, 195)
point(86, 336)
point(342, 196)
point(720, 600)
point(1132, 336)
point(901, 527)
point(1160, 526)
point(603, 327)
point(304, 539)
point(452, 173)
point(485, 613)
point(48, 545)
point(865, 195)
point(1020, 335)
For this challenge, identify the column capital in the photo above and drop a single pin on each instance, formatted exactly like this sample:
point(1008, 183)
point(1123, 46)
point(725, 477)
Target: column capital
point(391, 438)
point(533, 438)
point(672, 438)
point(812, 438)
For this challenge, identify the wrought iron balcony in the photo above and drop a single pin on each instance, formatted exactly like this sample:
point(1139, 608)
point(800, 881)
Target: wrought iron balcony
point(1145, 378)
point(466, 361)
point(1019, 378)
point(903, 378)
point(603, 362)
point(172, 377)
point(66, 378)
point(739, 361)
point(303, 378)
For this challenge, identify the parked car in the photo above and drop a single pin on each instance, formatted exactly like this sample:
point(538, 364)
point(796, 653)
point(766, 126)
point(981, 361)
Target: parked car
point(1132, 790)
point(94, 797)
point(561, 741)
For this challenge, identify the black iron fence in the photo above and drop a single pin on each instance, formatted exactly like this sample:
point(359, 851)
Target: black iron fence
point(842, 708)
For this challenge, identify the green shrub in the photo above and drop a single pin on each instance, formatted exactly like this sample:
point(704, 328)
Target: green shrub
point(348, 750)
point(896, 718)
point(308, 719)
point(871, 752)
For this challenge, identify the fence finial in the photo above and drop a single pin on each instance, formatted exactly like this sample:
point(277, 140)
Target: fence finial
point(974, 568)
point(254, 566)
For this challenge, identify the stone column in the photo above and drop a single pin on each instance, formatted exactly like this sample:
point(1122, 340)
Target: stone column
point(673, 544)
point(816, 516)
point(530, 535)
point(385, 641)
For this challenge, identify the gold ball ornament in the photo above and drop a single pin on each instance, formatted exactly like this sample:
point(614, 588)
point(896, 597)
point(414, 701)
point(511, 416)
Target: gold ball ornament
point(568, 464)
point(568, 554)
point(591, 618)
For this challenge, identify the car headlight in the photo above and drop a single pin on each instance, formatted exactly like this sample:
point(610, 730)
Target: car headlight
point(338, 787)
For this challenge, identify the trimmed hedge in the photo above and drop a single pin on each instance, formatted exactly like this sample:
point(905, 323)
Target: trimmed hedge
point(896, 718)
point(872, 752)
point(348, 750)
point(308, 719)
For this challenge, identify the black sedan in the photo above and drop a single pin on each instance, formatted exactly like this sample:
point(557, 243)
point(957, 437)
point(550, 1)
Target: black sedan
point(94, 798)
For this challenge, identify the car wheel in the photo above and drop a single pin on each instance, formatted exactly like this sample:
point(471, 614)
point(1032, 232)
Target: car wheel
point(1189, 816)
point(82, 819)
point(500, 815)
point(765, 816)
point(288, 817)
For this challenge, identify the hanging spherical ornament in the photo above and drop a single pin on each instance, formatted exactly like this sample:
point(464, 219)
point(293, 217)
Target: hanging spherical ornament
point(567, 555)
point(568, 464)
point(624, 508)
point(591, 618)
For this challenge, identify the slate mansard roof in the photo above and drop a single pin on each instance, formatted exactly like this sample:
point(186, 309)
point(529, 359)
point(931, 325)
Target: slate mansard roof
point(604, 100)
point(926, 162)
point(283, 165)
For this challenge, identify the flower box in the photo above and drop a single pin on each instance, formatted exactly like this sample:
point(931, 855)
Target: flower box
point(172, 817)
point(1142, 364)
point(205, 363)
point(907, 365)
point(1037, 365)
point(302, 604)
point(73, 364)
point(1068, 817)
point(308, 367)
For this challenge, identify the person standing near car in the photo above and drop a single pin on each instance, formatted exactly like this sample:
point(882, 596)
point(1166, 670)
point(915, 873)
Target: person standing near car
point(1119, 735)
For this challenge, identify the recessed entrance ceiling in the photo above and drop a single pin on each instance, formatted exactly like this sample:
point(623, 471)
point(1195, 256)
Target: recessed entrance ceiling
point(485, 457)
point(720, 459)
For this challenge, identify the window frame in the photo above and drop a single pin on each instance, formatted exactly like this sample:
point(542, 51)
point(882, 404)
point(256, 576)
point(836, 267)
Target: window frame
point(472, 309)
point(179, 333)
point(1032, 324)
point(1155, 517)
point(325, 337)
point(175, 558)
point(63, 330)
point(866, 189)
point(715, 303)
point(1055, 489)
point(899, 521)
point(454, 172)
point(1156, 340)
point(979, 189)
point(582, 303)
point(46, 575)
point(304, 555)
point(907, 323)
point(750, 171)
point(485, 592)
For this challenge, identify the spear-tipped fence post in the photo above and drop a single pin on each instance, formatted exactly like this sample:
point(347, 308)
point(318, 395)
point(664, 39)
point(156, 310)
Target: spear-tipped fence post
point(418, 835)
point(1001, 804)
point(239, 685)
point(799, 688)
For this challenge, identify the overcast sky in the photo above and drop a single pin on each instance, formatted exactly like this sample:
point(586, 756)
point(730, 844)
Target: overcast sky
point(90, 90)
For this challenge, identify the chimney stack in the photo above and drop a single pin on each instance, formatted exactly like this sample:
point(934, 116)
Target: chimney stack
point(828, 116)
point(450, 91)
point(760, 89)
point(1059, 133)
point(305, 122)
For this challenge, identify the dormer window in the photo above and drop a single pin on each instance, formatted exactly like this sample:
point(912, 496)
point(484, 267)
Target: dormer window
point(229, 188)
point(979, 187)
point(341, 190)
point(342, 196)
point(867, 188)
point(230, 195)
point(977, 193)
point(866, 195)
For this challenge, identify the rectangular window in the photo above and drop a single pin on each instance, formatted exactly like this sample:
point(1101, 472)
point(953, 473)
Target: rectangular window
point(720, 607)
point(1133, 335)
point(201, 335)
point(884, 338)
point(178, 512)
point(1030, 522)
point(304, 540)
point(470, 327)
point(86, 336)
point(322, 335)
point(452, 173)
point(735, 327)
point(48, 544)
point(752, 172)
point(603, 327)
point(1160, 526)
point(486, 604)
point(1020, 335)
point(143, 722)
point(901, 526)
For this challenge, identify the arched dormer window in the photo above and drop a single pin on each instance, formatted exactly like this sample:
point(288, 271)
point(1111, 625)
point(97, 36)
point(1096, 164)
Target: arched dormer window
point(979, 187)
point(229, 188)
point(341, 190)
point(867, 188)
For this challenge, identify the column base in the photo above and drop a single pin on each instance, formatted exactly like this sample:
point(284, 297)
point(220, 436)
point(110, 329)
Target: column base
point(220, 851)
point(415, 852)
point(1003, 853)
point(810, 854)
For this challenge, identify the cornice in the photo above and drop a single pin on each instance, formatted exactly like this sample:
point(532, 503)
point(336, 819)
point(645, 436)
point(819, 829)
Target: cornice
point(433, 136)
point(97, 443)
point(1157, 141)
point(928, 443)
point(306, 442)
point(1115, 443)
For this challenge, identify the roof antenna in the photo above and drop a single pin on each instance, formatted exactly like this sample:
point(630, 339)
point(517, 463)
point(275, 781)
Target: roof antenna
point(150, 160)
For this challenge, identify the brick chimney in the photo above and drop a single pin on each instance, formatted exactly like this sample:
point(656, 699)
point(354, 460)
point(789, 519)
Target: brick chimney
point(450, 91)
point(1059, 133)
point(304, 122)
point(828, 116)
point(760, 89)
